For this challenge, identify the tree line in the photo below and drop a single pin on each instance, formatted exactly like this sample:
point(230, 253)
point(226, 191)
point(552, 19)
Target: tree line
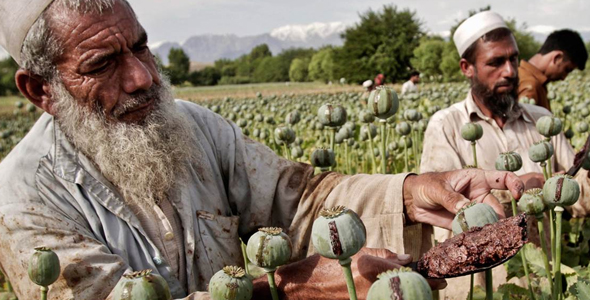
point(389, 41)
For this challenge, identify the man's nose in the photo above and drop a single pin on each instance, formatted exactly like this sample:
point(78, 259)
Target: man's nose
point(135, 75)
point(509, 70)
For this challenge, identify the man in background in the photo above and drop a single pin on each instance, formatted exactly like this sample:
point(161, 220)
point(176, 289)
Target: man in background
point(562, 52)
point(410, 86)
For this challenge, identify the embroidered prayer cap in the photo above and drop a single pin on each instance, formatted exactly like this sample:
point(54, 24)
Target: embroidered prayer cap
point(16, 18)
point(475, 27)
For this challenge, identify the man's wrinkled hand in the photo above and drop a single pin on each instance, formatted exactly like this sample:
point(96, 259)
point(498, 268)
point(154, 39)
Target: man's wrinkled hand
point(435, 198)
point(532, 180)
point(317, 277)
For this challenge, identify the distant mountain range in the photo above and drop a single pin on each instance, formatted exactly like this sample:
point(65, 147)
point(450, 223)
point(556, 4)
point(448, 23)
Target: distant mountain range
point(209, 48)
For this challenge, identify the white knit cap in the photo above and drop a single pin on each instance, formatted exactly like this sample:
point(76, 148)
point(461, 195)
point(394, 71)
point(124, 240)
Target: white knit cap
point(475, 27)
point(16, 18)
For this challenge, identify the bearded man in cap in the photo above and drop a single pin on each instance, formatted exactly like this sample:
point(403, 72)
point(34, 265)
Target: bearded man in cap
point(117, 176)
point(489, 58)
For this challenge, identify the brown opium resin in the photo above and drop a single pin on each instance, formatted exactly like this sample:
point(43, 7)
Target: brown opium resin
point(480, 247)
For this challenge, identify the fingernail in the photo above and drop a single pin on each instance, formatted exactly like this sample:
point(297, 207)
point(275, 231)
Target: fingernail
point(404, 256)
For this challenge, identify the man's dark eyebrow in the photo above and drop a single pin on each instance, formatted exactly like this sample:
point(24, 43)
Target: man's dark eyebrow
point(143, 38)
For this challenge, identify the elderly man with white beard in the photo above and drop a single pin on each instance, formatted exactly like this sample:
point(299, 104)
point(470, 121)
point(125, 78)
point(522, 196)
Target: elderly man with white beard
point(117, 176)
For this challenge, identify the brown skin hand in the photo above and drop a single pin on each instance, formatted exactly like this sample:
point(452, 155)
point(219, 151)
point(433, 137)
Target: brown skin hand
point(321, 278)
point(435, 198)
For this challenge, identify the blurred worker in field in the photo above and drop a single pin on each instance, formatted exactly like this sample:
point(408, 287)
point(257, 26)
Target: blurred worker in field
point(489, 59)
point(562, 52)
point(379, 80)
point(411, 86)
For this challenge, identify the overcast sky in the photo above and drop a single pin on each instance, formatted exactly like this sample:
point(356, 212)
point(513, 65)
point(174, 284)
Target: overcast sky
point(176, 20)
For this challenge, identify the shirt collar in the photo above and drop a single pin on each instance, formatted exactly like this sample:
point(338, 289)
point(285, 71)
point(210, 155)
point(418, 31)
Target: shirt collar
point(533, 71)
point(473, 109)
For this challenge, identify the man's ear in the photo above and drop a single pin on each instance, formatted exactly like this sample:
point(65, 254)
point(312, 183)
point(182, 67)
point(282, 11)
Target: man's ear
point(35, 88)
point(557, 56)
point(466, 68)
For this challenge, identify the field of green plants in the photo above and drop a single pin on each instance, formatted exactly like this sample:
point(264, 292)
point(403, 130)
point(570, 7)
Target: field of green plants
point(336, 129)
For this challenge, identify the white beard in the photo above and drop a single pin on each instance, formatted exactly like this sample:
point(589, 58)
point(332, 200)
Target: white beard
point(144, 161)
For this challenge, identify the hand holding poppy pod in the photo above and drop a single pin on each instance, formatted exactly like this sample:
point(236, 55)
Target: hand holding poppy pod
point(339, 234)
point(269, 248)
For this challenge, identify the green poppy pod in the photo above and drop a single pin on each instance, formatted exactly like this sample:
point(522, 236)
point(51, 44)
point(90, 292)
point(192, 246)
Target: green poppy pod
point(296, 152)
point(412, 115)
point(582, 127)
point(541, 151)
point(293, 118)
point(403, 128)
point(366, 117)
point(142, 285)
point(561, 190)
point(568, 133)
point(323, 158)
point(473, 215)
point(242, 123)
point(368, 131)
point(384, 102)
point(566, 109)
point(338, 233)
point(31, 108)
point(269, 248)
point(584, 112)
point(256, 132)
point(549, 126)
point(402, 284)
point(43, 267)
point(405, 142)
point(508, 161)
point(284, 135)
point(471, 131)
point(19, 104)
point(345, 132)
point(332, 115)
point(532, 203)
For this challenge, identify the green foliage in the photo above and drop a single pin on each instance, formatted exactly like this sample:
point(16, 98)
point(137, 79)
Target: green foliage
point(8, 68)
point(298, 70)
point(321, 66)
point(260, 52)
point(267, 70)
point(179, 64)
point(226, 80)
point(527, 45)
point(382, 42)
point(449, 65)
point(428, 56)
point(207, 76)
point(581, 290)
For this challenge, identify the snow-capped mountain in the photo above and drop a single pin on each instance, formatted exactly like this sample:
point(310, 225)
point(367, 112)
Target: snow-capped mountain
point(302, 33)
point(209, 47)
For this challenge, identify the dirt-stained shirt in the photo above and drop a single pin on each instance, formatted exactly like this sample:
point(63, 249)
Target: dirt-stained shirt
point(532, 84)
point(52, 195)
point(445, 149)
